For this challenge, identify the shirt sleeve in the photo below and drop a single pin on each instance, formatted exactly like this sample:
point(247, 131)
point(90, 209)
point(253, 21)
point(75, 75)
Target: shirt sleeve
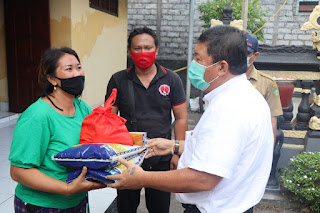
point(177, 95)
point(111, 85)
point(273, 99)
point(30, 141)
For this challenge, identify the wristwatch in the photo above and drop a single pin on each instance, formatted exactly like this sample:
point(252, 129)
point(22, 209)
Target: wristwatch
point(176, 147)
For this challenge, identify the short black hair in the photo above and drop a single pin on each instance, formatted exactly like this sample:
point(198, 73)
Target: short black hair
point(142, 30)
point(227, 43)
point(49, 64)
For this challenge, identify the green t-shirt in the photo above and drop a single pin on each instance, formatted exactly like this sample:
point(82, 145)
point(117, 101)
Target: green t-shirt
point(40, 133)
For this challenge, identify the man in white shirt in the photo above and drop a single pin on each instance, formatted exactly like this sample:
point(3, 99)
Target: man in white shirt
point(226, 159)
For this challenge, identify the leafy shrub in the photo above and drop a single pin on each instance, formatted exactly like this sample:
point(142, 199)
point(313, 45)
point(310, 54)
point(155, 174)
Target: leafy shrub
point(303, 180)
point(213, 9)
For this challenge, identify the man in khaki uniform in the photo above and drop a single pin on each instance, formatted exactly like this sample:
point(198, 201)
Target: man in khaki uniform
point(263, 83)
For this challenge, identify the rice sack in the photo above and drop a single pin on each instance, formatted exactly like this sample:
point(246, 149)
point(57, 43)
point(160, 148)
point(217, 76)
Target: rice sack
point(100, 175)
point(96, 155)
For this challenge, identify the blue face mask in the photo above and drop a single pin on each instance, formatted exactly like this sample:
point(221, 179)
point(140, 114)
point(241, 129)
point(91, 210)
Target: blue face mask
point(196, 75)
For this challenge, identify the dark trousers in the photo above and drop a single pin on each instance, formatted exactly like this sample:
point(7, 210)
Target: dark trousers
point(190, 208)
point(22, 207)
point(156, 201)
point(249, 210)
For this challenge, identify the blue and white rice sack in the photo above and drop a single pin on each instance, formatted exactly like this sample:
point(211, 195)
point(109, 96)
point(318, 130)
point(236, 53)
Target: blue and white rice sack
point(100, 175)
point(101, 156)
point(96, 156)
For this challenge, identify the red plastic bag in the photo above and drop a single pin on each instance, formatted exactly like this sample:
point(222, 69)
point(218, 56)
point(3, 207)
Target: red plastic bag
point(102, 126)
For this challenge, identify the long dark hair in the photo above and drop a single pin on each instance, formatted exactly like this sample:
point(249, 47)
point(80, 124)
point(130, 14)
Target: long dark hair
point(49, 64)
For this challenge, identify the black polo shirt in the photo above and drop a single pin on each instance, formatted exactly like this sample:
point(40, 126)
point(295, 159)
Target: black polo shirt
point(153, 105)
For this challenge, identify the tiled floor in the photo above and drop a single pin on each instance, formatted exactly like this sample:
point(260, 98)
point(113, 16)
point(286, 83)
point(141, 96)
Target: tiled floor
point(99, 200)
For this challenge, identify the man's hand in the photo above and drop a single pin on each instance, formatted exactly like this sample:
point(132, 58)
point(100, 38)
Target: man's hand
point(174, 162)
point(159, 146)
point(129, 179)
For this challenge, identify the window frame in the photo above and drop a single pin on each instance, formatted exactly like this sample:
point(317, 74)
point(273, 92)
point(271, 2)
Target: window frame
point(307, 6)
point(96, 4)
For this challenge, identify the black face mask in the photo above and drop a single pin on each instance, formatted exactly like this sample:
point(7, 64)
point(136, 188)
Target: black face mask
point(73, 86)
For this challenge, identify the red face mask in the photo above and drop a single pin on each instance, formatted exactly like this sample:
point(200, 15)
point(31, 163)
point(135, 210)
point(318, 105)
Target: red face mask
point(143, 60)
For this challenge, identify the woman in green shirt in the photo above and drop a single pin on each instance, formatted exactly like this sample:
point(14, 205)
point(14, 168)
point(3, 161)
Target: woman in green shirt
point(49, 126)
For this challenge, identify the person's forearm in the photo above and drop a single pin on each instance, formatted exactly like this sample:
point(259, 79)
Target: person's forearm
point(181, 180)
point(37, 180)
point(180, 128)
point(114, 110)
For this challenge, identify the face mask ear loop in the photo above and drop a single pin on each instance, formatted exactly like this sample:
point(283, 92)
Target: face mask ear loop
point(45, 92)
point(249, 61)
point(212, 64)
point(213, 79)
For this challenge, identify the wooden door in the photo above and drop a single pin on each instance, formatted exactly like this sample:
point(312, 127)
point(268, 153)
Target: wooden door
point(27, 36)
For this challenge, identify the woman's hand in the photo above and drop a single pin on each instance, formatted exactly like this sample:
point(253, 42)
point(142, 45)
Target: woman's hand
point(80, 184)
point(159, 146)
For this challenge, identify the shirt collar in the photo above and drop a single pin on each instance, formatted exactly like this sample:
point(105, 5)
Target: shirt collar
point(131, 71)
point(211, 95)
point(253, 74)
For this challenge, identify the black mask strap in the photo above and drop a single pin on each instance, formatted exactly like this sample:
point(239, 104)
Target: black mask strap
point(45, 92)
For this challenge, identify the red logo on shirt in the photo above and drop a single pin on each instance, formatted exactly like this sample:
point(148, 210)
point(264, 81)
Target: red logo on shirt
point(164, 90)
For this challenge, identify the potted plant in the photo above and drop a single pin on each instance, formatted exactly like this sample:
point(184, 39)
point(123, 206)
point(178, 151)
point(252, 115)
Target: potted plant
point(303, 179)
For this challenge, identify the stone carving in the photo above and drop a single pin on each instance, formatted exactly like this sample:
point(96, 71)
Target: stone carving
point(316, 99)
point(297, 89)
point(227, 15)
point(285, 49)
point(315, 38)
point(294, 134)
point(313, 24)
point(314, 123)
point(299, 75)
point(237, 24)
point(215, 22)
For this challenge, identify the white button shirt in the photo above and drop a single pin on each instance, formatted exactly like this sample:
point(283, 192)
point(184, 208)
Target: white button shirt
point(233, 140)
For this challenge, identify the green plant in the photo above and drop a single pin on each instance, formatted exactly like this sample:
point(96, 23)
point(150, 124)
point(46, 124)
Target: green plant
point(303, 180)
point(213, 9)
